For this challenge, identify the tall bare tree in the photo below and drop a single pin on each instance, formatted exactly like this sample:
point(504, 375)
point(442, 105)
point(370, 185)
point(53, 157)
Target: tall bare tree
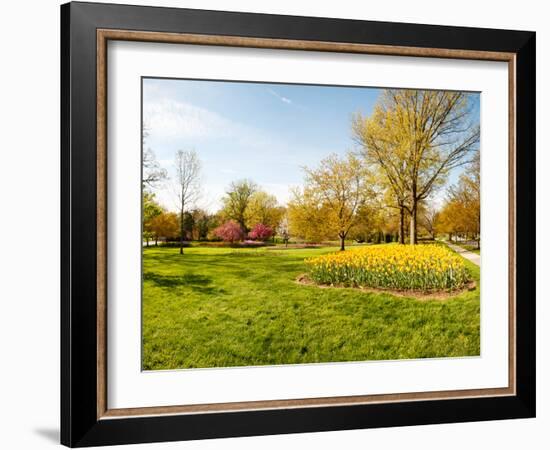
point(416, 138)
point(188, 168)
point(283, 229)
point(429, 216)
point(153, 173)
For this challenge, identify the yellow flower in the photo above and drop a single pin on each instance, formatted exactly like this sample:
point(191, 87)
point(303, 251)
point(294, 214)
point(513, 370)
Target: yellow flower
point(395, 266)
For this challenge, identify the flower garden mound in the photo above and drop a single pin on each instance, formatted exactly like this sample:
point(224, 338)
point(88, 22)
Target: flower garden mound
point(423, 268)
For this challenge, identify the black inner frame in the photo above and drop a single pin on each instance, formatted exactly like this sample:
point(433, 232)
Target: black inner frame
point(79, 423)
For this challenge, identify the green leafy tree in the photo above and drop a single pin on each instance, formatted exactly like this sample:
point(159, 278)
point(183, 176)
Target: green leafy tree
point(151, 209)
point(188, 225)
point(204, 223)
point(164, 225)
point(263, 208)
point(236, 202)
point(308, 218)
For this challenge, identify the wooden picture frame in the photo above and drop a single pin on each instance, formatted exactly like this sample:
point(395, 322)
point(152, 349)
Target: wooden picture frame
point(86, 418)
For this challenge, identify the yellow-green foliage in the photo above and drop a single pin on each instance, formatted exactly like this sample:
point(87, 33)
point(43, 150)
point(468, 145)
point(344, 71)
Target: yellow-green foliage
point(420, 267)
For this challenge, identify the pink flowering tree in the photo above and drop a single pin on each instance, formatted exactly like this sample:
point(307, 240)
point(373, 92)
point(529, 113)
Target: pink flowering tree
point(229, 232)
point(261, 232)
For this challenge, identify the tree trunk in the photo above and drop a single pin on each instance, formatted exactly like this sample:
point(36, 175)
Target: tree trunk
point(413, 234)
point(401, 225)
point(181, 231)
point(244, 230)
point(342, 243)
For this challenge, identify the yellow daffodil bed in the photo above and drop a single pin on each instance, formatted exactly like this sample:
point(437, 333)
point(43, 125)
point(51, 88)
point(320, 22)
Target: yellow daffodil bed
point(399, 267)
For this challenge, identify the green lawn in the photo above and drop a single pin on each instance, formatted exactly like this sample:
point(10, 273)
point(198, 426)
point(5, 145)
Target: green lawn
point(219, 307)
point(470, 248)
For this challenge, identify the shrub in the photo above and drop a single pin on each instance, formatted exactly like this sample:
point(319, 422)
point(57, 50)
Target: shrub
point(261, 232)
point(229, 232)
point(419, 267)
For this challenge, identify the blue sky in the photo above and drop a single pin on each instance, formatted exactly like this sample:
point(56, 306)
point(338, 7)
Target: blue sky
point(265, 132)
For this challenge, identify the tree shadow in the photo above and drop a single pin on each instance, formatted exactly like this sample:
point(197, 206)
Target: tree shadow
point(196, 282)
point(208, 290)
point(172, 281)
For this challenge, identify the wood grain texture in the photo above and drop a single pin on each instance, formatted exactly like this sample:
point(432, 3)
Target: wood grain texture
point(103, 35)
point(306, 402)
point(286, 44)
point(512, 295)
point(101, 225)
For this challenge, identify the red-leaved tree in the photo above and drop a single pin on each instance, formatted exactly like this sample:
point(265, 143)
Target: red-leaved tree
point(261, 232)
point(229, 232)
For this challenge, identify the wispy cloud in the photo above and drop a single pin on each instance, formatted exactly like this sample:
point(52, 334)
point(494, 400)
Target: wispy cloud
point(228, 149)
point(280, 97)
point(170, 118)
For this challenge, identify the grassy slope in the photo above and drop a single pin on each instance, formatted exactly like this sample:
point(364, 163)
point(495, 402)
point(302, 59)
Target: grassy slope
point(470, 248)
point(219, 307)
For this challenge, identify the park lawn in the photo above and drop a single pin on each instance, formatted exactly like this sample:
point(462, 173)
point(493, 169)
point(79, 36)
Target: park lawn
point(471, 248)
point(220, 307)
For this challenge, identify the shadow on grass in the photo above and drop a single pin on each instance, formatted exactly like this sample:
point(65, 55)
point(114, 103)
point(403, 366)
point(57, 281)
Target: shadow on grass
point(229, 261)
point(196, 282)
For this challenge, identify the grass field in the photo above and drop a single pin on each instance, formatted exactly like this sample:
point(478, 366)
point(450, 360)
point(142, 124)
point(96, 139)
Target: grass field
point(470, 248)
point(220, 307)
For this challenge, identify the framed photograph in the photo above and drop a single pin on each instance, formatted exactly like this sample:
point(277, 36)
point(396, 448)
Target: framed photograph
point(276, 224)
